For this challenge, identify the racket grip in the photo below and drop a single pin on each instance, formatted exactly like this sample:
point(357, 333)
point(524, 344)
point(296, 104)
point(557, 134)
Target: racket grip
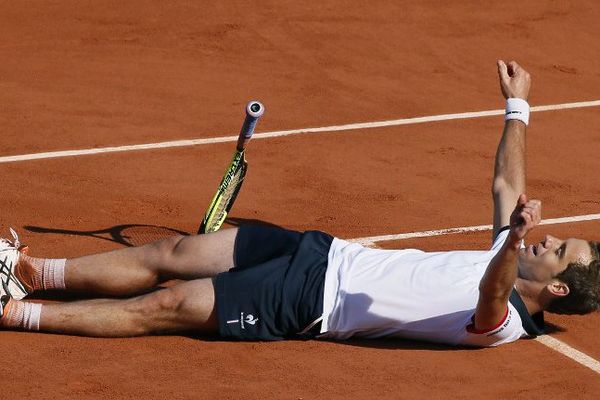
point(254, 110)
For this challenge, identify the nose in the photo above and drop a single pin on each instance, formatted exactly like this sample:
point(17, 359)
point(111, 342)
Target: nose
point(549, 241)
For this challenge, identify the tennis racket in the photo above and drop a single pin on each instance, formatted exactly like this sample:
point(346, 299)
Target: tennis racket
point(234, 176)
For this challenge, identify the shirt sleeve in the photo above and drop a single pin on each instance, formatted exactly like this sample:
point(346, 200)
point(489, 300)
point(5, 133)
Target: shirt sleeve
point(500, 237)
point(508, 330)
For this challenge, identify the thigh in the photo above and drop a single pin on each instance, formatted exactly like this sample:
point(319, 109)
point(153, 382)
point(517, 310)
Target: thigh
point(201, 256)
point(191, 305)
point(208, 255)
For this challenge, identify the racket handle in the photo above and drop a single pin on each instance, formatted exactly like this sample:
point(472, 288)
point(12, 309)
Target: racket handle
point(254, 110)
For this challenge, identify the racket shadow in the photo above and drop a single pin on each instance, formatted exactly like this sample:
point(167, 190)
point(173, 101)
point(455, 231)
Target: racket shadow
point(131, 235)
point(233, 221)
point(128, 235)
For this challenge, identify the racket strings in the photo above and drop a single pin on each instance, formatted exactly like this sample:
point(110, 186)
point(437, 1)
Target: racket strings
point(223, 205)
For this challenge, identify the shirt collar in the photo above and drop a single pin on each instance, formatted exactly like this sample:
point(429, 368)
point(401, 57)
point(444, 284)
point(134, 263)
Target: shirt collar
point(533, 324)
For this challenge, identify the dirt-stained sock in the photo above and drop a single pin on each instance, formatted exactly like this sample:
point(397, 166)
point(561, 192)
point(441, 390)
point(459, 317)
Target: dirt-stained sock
point(42, 273)
point(22, 315)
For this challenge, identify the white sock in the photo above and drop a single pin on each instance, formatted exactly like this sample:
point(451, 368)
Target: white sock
point(22, 315)
point(48, 273)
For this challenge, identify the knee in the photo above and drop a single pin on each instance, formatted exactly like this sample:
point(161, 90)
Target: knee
point(163, 301)
point(163, 251)
point(158, 309)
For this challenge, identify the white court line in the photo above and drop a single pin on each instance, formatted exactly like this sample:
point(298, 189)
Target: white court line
point(370, 240)
point(570, 352)
point(265, 135)
point(546, 340)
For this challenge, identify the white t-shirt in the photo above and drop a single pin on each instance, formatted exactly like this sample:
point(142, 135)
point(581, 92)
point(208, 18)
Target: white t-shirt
point(372, 293)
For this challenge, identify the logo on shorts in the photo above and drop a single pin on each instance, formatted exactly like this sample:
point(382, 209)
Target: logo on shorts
point(248, 319)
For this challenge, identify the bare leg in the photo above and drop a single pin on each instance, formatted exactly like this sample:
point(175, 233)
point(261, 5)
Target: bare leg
point(186, 306)
point(132, 270)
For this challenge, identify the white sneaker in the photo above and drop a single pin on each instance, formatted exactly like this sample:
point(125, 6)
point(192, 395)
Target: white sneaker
point(4, 298)
point(9, 257)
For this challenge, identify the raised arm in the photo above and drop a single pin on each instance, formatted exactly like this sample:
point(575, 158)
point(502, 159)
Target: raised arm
point(500, 276)
point(508, 189)
point(509, 169)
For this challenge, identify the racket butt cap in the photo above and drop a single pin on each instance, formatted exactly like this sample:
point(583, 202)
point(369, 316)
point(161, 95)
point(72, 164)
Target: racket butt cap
point(255, 109)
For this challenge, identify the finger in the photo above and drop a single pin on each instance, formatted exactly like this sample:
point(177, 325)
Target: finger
point(527, 214)
point(533, 216)
point(520, 222)
point(534, 206)
point(502, 70)
point(522, 200)
point(537, 215)
point(513, 68)
point(533, 203)
point(537, 202)
point(527, 219)
point(530, 210)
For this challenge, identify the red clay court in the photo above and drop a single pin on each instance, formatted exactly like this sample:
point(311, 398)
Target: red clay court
point(79, 75)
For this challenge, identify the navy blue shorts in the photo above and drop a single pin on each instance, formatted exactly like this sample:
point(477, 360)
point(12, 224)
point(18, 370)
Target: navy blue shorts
point(275, 289)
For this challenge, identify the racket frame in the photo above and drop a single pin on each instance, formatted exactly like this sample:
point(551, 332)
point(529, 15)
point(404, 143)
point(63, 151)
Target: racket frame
point(212, 222)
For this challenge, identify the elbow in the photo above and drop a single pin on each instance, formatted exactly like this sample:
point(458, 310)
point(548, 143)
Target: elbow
point(499, 186)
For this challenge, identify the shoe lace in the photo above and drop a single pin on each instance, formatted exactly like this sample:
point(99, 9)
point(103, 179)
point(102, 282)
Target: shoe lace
point(15, 243)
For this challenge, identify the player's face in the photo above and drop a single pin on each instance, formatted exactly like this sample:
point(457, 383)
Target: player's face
point(542, 261)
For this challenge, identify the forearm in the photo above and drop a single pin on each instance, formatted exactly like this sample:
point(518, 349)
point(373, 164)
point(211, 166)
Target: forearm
point(495, 287)
point(509, 168)
point(509, 172)
point(501, 274)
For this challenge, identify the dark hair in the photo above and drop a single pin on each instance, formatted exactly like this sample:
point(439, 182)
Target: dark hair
point(584, 286)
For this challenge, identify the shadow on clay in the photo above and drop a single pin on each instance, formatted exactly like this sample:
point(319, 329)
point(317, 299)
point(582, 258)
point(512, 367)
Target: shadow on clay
point(130, 235)
point(248, 221)
point(361, 307)
point(127, 235)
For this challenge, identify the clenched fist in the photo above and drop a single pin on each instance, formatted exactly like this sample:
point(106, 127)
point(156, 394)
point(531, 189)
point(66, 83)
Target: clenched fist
point(514, 80)
point(526, 215)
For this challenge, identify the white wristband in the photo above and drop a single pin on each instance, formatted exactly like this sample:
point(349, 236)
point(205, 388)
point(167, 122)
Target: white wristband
point(517, 109)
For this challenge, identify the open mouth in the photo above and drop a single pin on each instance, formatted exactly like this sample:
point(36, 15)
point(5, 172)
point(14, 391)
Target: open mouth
point(532, 250)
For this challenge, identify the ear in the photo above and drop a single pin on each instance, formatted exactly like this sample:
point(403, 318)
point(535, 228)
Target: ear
point(558, 288)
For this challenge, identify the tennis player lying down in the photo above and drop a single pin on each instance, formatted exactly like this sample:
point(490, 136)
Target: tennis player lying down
point(258, 283)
